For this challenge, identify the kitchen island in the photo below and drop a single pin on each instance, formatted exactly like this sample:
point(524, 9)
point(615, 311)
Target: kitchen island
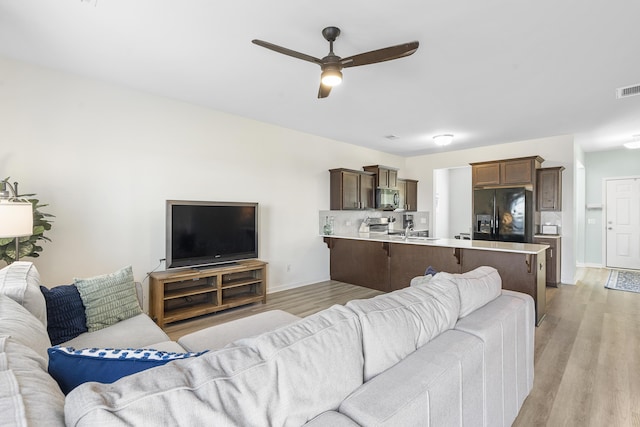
point(389, 262)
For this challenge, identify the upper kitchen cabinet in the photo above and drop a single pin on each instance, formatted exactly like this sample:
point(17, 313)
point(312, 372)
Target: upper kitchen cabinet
point(408, 192)
point(549, 189)
point(508, 172)
point(386, 177)
point(351, 189)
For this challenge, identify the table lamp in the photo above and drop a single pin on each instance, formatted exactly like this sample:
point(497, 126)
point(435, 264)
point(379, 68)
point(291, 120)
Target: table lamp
point(16, 215)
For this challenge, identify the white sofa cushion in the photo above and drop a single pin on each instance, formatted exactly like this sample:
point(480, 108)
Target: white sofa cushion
point(23, 328)
point(215, 337)
point(284, 377)
point(440, 384)
point(477, 287)
point(11, 404)
point(20, 281)
point(504, 327)
point(135, 332)
point(332, 419)
point(22, 340)
point(396, 324)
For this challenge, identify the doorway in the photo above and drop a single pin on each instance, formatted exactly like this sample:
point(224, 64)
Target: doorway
point(623, 222)
point(452, 202)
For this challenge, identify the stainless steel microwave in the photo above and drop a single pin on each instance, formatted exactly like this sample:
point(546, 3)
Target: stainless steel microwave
point(387, 199)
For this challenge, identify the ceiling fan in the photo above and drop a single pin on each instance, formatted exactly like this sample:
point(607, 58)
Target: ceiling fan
point(332, 64)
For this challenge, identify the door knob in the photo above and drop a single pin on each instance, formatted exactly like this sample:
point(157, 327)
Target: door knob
point(609, 228)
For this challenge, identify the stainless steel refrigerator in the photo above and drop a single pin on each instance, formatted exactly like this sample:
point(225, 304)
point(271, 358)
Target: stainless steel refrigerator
point(504, 214)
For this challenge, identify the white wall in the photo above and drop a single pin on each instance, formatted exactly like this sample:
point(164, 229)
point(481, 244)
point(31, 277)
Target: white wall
point(557, 151)
point(460, 200)
point(452, 201)
point(106, 158)
point(441, 214)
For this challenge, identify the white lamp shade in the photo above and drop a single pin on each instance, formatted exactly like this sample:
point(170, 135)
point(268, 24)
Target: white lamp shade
point(16, 219)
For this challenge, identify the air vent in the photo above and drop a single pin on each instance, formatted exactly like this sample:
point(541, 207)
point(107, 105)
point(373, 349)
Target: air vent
point(623, 92)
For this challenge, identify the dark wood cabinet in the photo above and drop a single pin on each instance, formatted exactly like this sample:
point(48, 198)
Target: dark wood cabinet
point(386, 177)
point(408, 192)
point(387, 266)
point(409, 261)
point(549, 189)
point(484, 174)
point(508, 172)
point(519, 272)
point(553, 257)
point(412, 195)
point(351, 189)
point(360, 262)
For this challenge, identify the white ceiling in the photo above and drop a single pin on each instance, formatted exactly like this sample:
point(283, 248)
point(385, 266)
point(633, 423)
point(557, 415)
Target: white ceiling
point(490, 72)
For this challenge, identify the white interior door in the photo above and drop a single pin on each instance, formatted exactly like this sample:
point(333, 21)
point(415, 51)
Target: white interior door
point(623, 223)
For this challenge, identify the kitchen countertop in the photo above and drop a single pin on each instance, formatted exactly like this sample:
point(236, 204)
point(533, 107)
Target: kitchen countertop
point(524, 248)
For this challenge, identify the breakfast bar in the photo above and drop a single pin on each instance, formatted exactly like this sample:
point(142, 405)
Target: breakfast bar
point(389, 262)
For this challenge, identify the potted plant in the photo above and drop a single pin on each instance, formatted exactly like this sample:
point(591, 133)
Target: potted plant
point(29, 244)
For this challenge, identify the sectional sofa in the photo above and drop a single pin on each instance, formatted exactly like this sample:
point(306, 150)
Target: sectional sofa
point(450, 350)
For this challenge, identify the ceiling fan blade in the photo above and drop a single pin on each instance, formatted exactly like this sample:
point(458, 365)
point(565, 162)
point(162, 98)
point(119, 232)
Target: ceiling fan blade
point(380, 55)
point(324, 91)
point(286, 51)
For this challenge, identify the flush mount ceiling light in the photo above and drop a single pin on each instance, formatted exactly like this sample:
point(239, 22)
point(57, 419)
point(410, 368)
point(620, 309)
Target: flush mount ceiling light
point(444, 139)
point(634, 144)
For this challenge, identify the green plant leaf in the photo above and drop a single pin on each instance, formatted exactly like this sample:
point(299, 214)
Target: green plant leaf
point(28, 248)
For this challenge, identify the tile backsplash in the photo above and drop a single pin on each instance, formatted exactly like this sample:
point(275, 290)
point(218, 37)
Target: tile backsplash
point(551, 218)
point(348, 222)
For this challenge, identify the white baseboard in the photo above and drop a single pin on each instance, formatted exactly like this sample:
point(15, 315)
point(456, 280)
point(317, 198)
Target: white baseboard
point(287, 286)
point(589, 265)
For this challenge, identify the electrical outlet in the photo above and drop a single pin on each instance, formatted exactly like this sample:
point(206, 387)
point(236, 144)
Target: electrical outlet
point(423, 220)
point(591, 221)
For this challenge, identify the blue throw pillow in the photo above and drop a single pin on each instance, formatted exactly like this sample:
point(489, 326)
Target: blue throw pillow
point(66, 318)
point(71, 367)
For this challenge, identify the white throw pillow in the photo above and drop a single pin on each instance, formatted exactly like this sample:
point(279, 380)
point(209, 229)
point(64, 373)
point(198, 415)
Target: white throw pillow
point(20, 281)
point(477, 287)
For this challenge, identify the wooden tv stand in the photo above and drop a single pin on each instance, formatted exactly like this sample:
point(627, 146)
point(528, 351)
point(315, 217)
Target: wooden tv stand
point(183, 294)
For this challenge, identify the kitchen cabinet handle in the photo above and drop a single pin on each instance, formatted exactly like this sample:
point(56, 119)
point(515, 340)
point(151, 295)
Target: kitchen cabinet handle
point(550, 252)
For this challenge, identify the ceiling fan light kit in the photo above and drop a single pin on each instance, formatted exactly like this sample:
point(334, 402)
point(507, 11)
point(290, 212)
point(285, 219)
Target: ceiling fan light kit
point(332, 65)
point(444, 139)
point(331, 77)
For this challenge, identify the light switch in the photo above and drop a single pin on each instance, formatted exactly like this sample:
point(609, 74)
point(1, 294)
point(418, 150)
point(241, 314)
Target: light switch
point(591, 221)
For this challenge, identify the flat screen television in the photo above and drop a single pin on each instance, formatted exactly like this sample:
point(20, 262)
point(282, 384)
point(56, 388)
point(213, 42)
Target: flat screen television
point(208, 233)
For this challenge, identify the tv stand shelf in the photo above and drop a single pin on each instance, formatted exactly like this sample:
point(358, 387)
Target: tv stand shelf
point(183, 294)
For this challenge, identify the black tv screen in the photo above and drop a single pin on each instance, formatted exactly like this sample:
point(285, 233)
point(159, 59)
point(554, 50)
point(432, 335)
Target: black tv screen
point(208, 233)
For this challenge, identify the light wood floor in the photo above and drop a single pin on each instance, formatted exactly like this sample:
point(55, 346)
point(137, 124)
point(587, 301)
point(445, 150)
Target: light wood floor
point(587, 355)
point(301, 301)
